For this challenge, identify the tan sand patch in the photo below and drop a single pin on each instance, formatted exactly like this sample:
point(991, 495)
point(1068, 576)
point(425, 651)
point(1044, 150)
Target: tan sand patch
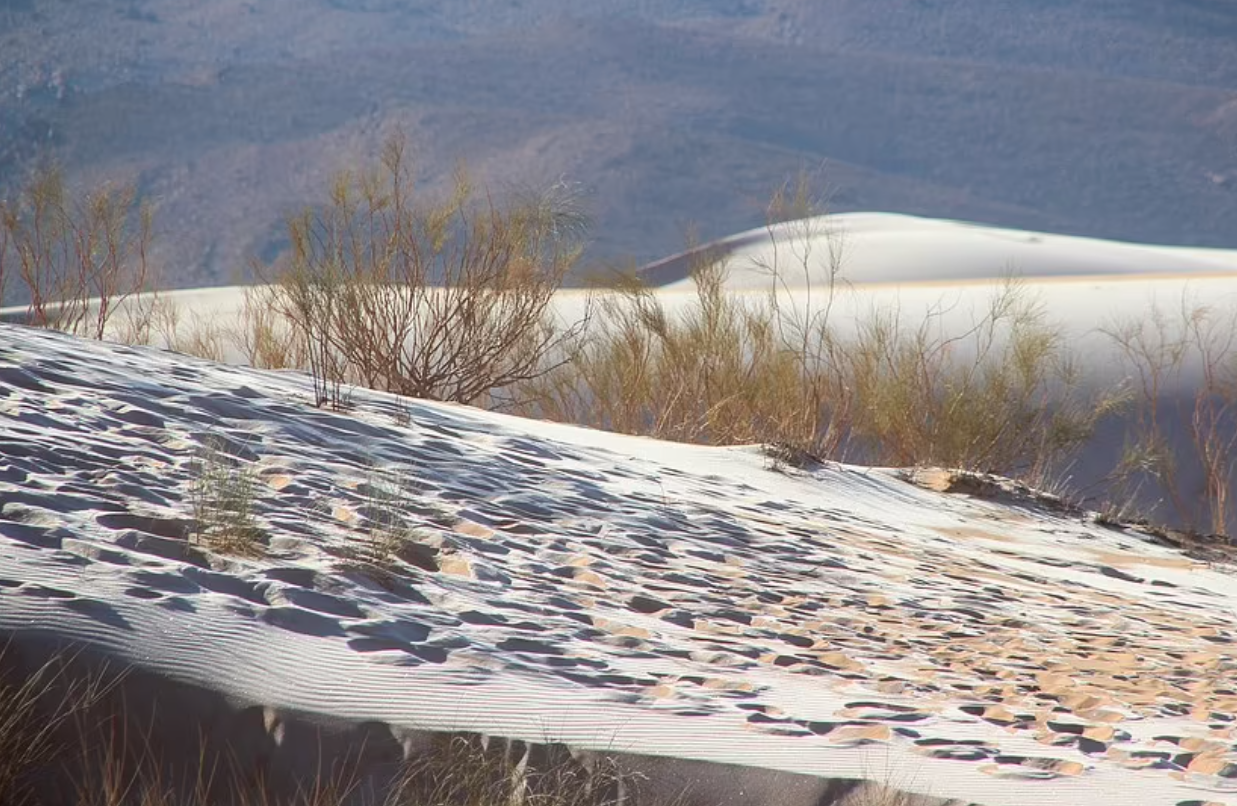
point(1056, 684)
point(1082, 702)
point(278, 481)
point(974, 533)
point(1196, 744)
point(473, 529)
point(1122, 560)
point(891, 686)
point(1207, 764)
point(586, 577)
point(1038, 768)
point(455, 565)
point(618, 628)
point(840, 660)
point(934, 479)
point(1100, 733)
point(854, 734)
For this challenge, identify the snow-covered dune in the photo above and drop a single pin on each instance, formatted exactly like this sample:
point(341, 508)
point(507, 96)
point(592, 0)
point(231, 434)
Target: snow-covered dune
point(870, 248)
point(609, 592)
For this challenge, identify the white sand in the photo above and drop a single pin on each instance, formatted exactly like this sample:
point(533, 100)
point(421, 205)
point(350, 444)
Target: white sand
point(894, 248)
point(610, 591)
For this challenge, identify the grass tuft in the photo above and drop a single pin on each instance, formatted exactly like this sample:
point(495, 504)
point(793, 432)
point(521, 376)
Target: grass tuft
point(223, 492)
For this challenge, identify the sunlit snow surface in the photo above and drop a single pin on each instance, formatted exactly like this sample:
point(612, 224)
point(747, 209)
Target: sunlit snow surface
point(610, 591)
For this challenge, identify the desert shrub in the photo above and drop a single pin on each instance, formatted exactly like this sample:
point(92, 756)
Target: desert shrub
point(445, 300)
point(717, 373)
point(265, 339)
point(196, 334)
point(385, 528)
point(74, 259)
point(1002, 395)
point(1174, 439)
point(724, 370)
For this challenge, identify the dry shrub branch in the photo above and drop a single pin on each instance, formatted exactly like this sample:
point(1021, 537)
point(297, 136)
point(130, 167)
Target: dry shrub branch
point(76, 258)
point(443, 300)
point(1184, 445)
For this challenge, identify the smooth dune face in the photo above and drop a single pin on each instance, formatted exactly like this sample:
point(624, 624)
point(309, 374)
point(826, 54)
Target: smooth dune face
point(892, 248)
point(610, 592)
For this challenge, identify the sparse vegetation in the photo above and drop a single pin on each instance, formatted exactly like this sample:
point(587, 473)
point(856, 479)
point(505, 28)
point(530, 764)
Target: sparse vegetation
point(67, 739)
point(74, 259)
point(1185, 447)
point(469, 770)
point(446, 300)
point(223, 493)
point(35, 708)
point(1003, 396)
point(386, 534)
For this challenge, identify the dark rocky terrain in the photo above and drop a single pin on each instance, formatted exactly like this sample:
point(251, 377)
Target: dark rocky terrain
point(1113, 118)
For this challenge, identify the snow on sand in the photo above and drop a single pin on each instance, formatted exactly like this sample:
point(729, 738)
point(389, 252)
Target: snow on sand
point(608, 592)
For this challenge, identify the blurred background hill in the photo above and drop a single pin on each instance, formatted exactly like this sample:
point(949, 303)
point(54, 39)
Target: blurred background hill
point(1111, 118)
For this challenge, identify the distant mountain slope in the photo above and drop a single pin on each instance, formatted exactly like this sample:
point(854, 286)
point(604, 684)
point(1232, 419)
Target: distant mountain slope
point(1110, 119)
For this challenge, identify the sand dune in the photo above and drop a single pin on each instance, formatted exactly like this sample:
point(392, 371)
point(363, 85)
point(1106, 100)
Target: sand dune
point(607, 592)
point(871, 248)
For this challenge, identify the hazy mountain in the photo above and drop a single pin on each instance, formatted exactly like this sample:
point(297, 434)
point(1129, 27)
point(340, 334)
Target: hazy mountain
point(1114, 118)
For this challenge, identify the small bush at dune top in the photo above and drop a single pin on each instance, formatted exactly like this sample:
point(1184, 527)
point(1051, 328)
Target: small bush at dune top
point(77, 259)
point(1003, 396)
point(443, 300)
point(725, 371)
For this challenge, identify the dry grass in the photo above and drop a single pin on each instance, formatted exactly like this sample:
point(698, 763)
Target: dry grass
point(68, 738)
point(75, 741)
point(266, 339)
point(1003, 396)
point(387, 541)
point(223, 492)
point(471, 770)
point(34, 710)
